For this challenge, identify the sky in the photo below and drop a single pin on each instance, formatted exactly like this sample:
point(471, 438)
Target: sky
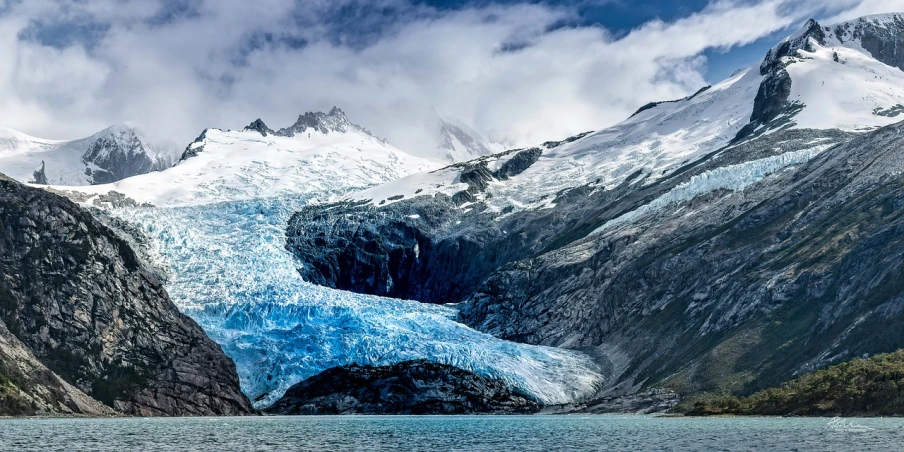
point(520, 72)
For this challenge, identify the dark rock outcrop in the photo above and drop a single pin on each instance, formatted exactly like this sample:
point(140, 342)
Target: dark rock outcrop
point(195, 147)
point(77, 296)
point(883, 39)
point(411, 387)
point(40, 177)
point(28, 388)
point(790, 47)
point(518, 163)
point(259, 126)
point(118, 154)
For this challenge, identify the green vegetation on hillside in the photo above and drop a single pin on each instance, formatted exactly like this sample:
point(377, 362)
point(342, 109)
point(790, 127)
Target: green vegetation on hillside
point(872, 387)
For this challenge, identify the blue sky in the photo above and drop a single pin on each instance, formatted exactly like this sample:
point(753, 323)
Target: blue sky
point(520, 72)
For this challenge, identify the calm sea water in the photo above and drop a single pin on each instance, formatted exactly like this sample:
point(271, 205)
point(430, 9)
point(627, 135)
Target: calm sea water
point(464, 433)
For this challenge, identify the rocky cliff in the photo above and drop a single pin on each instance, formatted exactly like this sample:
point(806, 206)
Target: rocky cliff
point(91, 319)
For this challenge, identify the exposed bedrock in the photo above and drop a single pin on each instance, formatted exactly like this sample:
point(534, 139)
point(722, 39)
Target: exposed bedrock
point(411, 387)
point(745, 289)
point(75, 295)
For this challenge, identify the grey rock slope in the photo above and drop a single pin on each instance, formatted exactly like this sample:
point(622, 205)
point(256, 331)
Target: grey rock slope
point(77, 297)
point(411, 387)
point(28, 388)
point(802, 269)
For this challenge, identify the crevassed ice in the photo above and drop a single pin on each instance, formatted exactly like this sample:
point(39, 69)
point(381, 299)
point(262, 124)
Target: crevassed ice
point(732, 177)
point(230, 272)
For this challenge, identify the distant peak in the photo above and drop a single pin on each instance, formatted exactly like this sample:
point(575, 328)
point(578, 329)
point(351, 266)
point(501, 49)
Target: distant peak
point(259, 126)
point(336, 112)
point(790, 45)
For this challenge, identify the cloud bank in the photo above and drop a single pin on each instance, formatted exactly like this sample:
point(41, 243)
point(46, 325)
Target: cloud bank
point(519, 73)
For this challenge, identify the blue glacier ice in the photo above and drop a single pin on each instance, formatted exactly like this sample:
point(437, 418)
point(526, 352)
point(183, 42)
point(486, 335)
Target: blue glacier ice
point(228, 269)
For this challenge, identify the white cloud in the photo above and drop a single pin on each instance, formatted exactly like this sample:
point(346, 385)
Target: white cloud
point(199, 70)
point(853, 9)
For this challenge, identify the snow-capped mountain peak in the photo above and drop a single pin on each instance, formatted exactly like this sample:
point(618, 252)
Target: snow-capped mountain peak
point(112, 154)
point(258, 126)
point(334, 121)
point(461, 142)
point(845, 76)
point(321, 152)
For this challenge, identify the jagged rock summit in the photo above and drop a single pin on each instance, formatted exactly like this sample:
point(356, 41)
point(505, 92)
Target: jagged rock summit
point(325, 123)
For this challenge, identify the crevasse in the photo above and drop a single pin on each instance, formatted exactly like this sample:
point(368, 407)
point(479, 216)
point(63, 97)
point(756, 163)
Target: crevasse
point(230, 272)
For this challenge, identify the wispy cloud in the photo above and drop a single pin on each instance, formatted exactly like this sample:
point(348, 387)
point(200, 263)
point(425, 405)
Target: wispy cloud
point(521, 73)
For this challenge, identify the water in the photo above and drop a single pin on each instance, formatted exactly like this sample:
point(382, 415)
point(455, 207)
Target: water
point(463, 433)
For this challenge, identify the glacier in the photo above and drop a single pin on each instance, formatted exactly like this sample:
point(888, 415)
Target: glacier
point(731, 177)
point(227, 268)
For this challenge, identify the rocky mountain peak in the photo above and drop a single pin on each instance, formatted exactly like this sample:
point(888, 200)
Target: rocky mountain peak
point(259, 126)
point(880, 35)
point(119, 152)
point(789, 46)
point(334, 121)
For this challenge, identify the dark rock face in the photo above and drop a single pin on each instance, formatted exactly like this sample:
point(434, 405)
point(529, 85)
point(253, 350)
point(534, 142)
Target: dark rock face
point(771, 101)
point(195, 147)
point(652, 401)
point(412, 387)
point(260, 127)
point(517, 164)
point(118, 156)
point(79, 298)
point(884, 41)
point(801, 270)
point(772, 98)
point(40, 176)
point(790, 47)
point(28, 388)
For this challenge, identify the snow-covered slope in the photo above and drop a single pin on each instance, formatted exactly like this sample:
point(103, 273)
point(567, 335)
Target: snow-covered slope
point(657, 139)
point(321, 153)
point(460, 142)
point(846, 76)
point(116, 152)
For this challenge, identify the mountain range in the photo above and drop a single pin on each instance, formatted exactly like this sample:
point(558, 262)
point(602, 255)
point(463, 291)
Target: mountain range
point(720, 243)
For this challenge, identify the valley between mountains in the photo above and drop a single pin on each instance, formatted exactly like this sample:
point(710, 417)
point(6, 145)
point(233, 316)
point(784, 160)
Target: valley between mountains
point(715, 245)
